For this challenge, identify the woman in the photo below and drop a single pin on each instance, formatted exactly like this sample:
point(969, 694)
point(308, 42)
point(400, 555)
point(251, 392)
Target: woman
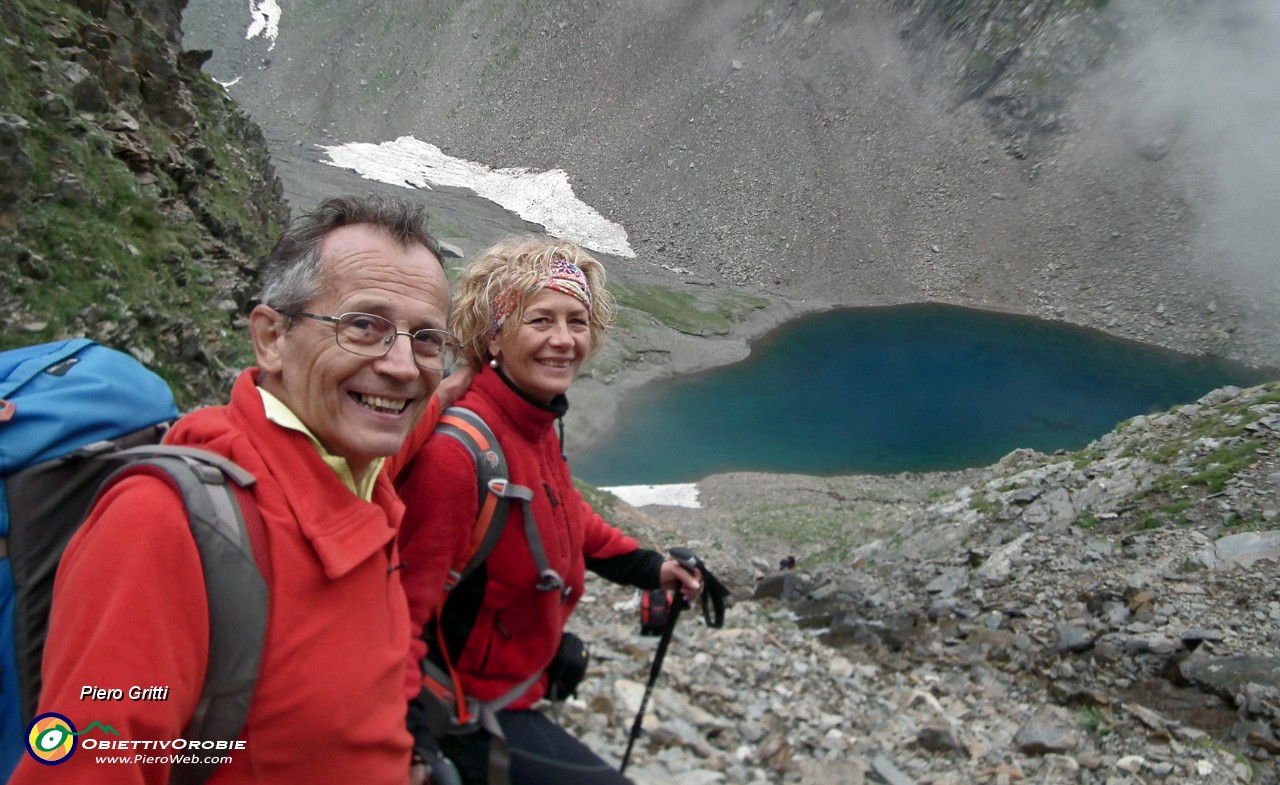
point(528, 312)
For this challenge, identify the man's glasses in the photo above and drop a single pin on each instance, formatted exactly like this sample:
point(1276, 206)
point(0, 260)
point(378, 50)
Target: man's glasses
point(373, 336)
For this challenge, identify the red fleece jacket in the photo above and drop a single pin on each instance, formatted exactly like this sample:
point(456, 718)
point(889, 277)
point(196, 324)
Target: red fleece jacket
point(518, 628)
point(129, 609)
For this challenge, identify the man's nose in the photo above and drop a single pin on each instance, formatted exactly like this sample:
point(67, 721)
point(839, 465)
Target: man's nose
point(399, 361)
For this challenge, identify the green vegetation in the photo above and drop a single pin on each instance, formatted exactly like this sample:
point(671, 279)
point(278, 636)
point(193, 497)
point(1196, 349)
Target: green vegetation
point(1224, 464)
point(1096, 720)
point(602, 502)
point(1228, 448)
point(1224, 426)
point(611, 359)
point(1149, 521)
point(1228, 423)
point(144, 202)
point(1242, 524)
point(629, 320)
point(1246, 763)
point(494, 69)
point(795, 522)
point(1084, 458)
point(440, 227)
point(986, 506)
point(1272, 396)
point(838, 531)
point(683, 311)
point(1165, 453)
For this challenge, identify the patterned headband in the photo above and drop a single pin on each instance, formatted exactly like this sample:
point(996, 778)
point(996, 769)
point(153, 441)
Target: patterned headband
point(566, 278)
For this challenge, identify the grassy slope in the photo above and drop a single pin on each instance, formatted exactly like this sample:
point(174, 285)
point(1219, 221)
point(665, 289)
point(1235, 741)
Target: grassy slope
point(142, 213)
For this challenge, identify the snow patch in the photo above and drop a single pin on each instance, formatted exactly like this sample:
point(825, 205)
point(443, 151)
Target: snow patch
point(544, 198)
point(679, 495)
point(266, 20)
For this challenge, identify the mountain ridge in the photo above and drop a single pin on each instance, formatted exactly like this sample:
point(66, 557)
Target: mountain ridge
point(840, 153)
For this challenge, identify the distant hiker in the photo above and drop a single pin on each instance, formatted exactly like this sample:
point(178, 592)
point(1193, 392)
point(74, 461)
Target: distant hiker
point(528, 312)
point(788, 563)
point(335, 392)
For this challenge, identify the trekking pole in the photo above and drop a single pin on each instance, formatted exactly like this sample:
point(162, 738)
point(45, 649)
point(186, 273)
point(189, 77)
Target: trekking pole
point(689, 561)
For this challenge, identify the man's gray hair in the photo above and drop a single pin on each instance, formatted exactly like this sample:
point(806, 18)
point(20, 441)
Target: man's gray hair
point(291, 277)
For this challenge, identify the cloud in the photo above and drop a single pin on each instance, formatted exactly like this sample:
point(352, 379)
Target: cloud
point(1201, 78)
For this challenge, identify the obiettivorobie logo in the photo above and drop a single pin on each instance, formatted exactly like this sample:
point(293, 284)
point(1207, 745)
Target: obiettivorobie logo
point(52, 738)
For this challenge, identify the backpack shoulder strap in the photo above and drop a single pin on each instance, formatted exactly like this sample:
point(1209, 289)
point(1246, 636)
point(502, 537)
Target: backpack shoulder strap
point(494, 491)
point(229, 534)
point(493, 482)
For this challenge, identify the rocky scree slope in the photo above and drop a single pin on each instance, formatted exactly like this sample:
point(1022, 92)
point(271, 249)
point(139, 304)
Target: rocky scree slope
point(1106, 616)
point(843, 152)
point(136, 199)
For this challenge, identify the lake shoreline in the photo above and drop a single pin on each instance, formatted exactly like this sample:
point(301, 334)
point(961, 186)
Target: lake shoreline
point(1041, 389)
point(596, 400)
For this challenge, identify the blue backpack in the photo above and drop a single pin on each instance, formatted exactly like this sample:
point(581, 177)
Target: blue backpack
point(76, 417)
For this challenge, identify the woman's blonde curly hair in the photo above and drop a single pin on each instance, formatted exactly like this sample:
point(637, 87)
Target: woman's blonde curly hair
point(521, 264)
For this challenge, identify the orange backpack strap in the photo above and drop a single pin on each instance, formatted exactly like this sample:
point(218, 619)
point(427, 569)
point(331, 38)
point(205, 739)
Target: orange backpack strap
point(492, 480)
point(494, 492)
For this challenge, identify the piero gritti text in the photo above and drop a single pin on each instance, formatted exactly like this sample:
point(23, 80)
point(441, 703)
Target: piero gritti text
point(134, 693)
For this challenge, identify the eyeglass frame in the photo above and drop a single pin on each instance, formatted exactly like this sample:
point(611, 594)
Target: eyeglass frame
point(451, 344)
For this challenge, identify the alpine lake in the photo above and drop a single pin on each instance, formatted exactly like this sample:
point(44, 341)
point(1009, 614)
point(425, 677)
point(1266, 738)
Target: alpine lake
point(896, 389)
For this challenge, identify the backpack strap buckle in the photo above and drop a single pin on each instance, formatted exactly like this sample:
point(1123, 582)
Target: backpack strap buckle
point(550, 580)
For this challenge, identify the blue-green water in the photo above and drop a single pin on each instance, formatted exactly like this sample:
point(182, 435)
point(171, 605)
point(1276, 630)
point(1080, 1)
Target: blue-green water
point(882, 390)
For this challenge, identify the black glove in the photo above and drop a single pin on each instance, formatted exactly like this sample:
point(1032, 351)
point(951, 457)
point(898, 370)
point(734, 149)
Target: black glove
point(441, 771)
point(421, 728)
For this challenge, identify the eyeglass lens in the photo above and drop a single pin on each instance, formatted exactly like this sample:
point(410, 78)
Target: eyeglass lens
point(373, 336)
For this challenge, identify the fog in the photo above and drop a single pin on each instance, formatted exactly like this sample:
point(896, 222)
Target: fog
point(1199, 81)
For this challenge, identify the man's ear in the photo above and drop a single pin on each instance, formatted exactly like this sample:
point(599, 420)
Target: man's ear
point(267, 328)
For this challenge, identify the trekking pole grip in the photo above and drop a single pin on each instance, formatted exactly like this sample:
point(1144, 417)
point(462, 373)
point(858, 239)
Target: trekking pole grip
point(687, 559)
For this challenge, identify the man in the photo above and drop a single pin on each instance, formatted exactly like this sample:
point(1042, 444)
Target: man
point(350, 347)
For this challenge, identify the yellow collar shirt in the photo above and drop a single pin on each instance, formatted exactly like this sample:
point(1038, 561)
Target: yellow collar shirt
point(280, 414)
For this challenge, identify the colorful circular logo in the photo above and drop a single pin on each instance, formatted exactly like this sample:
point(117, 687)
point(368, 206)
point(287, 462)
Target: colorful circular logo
point(51, 738)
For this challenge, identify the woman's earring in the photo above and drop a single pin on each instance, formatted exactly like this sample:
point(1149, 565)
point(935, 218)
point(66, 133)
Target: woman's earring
point(493, 362)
